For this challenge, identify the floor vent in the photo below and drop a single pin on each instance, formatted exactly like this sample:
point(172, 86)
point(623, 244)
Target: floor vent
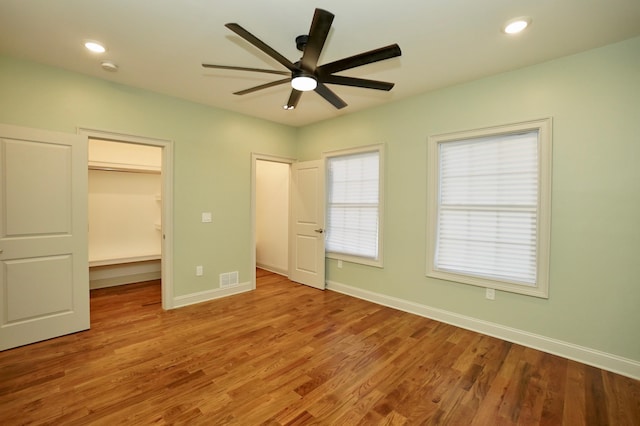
point(229, 279)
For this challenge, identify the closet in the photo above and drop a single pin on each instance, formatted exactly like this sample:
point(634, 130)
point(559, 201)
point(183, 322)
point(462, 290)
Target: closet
point(125, 204)
point(272, 216)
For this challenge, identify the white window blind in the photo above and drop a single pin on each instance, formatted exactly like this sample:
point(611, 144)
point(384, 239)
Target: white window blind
point(488, 207)
point(353, 204)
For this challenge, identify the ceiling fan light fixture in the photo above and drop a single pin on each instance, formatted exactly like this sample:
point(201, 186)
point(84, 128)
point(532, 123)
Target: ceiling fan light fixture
point(288, 107)
point(516, 25)
point(304, 82)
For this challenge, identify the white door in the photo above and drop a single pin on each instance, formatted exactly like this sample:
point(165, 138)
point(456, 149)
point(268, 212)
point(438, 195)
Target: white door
point(306, 264)
point(44, 274)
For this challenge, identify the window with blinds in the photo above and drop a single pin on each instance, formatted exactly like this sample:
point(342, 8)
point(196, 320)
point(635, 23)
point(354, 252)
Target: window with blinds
point(490, 212)
point(353, 230)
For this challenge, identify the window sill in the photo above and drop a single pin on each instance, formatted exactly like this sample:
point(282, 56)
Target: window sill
point(377, 263)
point(537, 291)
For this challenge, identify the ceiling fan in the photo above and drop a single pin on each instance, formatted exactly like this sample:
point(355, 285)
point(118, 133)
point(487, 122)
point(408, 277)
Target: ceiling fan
point(306, 75)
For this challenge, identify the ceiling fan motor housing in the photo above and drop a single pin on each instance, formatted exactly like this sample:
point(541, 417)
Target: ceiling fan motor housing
point(301, 42)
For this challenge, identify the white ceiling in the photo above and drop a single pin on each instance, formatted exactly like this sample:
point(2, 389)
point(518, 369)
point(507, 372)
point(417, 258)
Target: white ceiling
point(160, 44)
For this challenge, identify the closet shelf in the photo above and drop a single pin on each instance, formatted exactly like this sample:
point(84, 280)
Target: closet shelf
point(117, 261)
point(123, 167)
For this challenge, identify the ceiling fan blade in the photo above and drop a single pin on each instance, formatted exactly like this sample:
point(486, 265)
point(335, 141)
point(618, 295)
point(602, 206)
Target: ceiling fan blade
point(229, 67)
point(261, 45)
point(320, 26)
point(357, 82)
point(369, 57)
point(331, 97)
point(263, 86)
point(292, 103)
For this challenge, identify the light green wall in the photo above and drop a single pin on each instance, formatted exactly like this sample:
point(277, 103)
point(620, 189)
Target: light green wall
point(594, 99)
point(212, 156)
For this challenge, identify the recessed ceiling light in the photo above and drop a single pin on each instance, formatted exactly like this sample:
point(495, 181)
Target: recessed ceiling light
point(514, 26)
point(95, 47)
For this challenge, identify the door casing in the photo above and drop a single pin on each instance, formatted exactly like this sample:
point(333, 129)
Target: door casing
point(167, 200)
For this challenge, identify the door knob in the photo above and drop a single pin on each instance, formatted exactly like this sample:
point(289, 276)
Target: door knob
point(319, 231)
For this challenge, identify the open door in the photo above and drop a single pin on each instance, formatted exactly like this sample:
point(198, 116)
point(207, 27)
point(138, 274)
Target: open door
point(44, 278)
point(306, 262)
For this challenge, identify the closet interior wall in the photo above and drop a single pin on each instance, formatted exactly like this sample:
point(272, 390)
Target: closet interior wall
point(272, 216)
point(125, 232)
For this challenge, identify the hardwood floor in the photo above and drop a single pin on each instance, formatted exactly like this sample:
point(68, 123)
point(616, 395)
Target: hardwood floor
point(287, 354)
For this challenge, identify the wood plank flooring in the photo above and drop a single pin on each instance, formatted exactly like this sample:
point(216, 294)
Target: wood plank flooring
point(287, 354)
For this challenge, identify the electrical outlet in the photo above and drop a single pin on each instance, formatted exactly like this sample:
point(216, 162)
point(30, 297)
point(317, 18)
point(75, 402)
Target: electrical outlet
point(199, 271)
point(207, 217)
point(490, 294)
point(339, 264)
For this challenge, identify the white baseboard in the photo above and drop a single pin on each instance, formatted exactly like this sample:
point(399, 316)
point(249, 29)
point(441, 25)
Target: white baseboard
point(125, 279)
point(128, 272)
point(606, 361)
point(204, 296)
point(274, 269)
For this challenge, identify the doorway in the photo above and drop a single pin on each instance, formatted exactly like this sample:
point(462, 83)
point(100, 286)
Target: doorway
point(125, 205)
point(163, 197)
point(270, 213)
point(304, 222)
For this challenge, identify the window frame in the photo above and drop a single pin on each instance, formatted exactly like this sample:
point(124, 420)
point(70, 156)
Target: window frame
point(543, 214)
point(379, 148)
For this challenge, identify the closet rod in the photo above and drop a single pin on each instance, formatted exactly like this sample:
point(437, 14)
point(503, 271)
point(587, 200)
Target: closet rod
point(123, 169)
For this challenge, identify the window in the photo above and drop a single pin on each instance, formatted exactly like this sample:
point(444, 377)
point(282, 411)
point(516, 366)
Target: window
point(354, 200)
point(489, 207)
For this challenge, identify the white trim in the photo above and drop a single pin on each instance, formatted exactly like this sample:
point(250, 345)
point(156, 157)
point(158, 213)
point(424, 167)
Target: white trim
point(616, 364)
point(274, 269)
point(205, 296)
point(262, 157)
point(127, 279)
point(166, 196)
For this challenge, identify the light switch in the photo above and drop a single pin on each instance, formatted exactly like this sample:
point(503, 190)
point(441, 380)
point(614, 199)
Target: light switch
point(206, 217)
